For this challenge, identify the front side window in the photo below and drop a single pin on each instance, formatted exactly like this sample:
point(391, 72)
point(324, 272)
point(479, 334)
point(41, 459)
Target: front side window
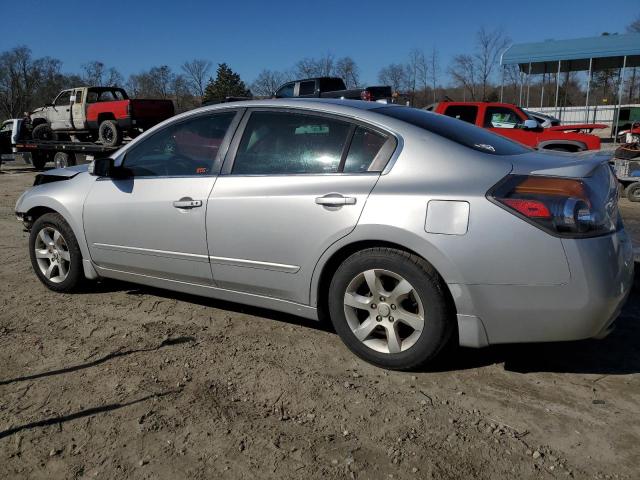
point(286, 91)
point(187, 148)
point(290, 143)
point(466, 113)
point(500, 117)
point(64, 98)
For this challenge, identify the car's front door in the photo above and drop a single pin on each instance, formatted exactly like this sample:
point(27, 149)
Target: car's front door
point(60, 114)
point(153, 222)
point(292, 185)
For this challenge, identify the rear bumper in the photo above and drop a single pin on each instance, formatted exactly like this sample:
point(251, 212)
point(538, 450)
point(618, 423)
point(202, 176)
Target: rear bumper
point(585, 307)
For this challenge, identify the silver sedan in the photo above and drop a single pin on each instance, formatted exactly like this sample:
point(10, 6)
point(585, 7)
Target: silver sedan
point(408, 229)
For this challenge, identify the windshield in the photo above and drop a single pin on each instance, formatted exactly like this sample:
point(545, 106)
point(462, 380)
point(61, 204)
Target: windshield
point(458, 131)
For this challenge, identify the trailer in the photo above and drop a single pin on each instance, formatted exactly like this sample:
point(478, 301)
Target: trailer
point(62, 154)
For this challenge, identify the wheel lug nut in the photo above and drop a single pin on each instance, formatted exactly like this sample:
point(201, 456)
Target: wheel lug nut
point(393, 307)
point(373, 305)
point(382, 299)
point(391, 319)
point(379, 318)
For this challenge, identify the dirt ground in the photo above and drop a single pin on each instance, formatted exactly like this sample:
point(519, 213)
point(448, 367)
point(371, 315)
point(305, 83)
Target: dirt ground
point(126, 381)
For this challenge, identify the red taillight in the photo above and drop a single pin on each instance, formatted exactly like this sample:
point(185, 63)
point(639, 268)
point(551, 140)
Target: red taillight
point(366, 95)
point(564, 206)
point(529, 208)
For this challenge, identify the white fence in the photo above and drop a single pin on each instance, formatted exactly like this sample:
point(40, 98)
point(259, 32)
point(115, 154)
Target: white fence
point(593, 114)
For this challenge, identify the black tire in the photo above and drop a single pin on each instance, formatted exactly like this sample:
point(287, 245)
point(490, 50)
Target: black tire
point(109, 133)
point(64, 159)
point(39, 160)
point(633, 192)
point(75, 275)
point(439, 322)
point(43, 132)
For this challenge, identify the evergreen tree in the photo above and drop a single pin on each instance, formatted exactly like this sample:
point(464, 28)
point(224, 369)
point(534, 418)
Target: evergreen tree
point(226, 84)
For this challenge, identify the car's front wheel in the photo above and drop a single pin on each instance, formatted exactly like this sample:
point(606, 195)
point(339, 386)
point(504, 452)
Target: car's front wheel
point(55, 254)
point(389, 308)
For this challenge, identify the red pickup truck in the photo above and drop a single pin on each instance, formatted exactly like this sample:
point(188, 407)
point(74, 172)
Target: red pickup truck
point(510, 121)
point(103, 112)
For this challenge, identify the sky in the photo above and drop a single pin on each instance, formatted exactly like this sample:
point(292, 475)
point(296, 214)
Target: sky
point(251, 35)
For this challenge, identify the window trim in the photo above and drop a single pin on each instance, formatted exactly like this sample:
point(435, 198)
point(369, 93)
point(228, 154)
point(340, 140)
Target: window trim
point(391, 147)
point(222, 151)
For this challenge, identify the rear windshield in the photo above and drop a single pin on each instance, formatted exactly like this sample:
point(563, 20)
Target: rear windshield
point(455, 130)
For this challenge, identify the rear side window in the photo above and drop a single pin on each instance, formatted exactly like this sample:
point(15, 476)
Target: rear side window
point(276, 143)
point(461, 133)
point(307, 88)
point(365, 147)
point(466, 113)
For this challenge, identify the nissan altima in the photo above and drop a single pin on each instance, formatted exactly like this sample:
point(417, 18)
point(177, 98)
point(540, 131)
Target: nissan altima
point(408, 229)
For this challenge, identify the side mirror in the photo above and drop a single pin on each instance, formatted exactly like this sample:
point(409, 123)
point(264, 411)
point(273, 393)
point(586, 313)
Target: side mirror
point(530, 124)
point(105, 167)
point(101, 167)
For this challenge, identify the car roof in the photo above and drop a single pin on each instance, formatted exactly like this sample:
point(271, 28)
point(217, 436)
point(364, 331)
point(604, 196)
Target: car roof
point(311, 103)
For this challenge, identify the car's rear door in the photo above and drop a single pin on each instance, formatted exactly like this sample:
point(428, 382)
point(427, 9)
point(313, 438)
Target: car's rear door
point(294, 182)
point(153, 223)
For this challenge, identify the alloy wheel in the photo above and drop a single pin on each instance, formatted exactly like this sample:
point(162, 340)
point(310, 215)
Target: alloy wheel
point(384, 311)
point(52, 254)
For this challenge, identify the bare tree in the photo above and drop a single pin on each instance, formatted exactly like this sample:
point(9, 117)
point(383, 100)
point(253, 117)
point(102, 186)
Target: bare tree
point(316, 67)
point(196, 75)
point(394, 75)
point(474, 72)
point(434, 70)
point(347, 69)
point(417, 72)
point(464, 72)
point(268, 82)
point(96, 74)
point(634, 27)
point(490, 46)
point(26, 82)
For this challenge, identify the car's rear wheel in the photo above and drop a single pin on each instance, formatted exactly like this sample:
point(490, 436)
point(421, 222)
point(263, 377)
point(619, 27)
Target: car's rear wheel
point(389, 308)
point(109, 133)
point(55, 254)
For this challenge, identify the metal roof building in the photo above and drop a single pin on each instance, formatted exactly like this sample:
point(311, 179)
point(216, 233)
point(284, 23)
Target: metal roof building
point(580, 54)
point(603, 52)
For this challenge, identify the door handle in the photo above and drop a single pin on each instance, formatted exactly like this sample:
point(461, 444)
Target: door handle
point(335, 200)
point(187, 203)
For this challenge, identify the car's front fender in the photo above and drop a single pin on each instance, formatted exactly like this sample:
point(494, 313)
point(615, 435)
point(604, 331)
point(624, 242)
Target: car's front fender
point(65, 197)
